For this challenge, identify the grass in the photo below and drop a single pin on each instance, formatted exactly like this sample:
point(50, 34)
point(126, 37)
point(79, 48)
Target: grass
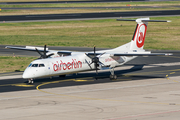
point(107, 33)
point(11, 64)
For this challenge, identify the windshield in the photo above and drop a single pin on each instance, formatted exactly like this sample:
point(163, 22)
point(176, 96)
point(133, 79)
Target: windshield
point(30, 65)
point(36, 65)
point(41, 65)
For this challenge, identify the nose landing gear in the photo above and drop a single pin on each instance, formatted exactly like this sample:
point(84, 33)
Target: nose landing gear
point(30, 81)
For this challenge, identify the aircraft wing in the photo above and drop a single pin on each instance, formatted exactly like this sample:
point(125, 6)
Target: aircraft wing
point(28, 48)
point(40, 49)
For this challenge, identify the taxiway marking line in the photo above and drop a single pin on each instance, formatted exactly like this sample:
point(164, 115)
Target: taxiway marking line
point(167, 76)
point(172, 72)
point(18, 84)
point(79, 80)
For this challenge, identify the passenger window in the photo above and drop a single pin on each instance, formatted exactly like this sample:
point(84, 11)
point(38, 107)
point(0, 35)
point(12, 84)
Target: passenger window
point(35, 65)
point(41, 65)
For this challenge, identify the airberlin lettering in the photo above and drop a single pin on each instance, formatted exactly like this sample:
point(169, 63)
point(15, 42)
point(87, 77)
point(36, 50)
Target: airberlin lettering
point(112, 59)
point(60, 65)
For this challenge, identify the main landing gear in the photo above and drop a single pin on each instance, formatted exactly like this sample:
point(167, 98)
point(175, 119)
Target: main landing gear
point(112, 76)
point(30, 81)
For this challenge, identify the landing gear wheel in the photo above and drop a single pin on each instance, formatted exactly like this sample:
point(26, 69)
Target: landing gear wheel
point(113, 77)
point(30, 81)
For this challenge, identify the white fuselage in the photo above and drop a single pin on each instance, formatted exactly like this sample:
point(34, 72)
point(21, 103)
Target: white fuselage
point(69, 64)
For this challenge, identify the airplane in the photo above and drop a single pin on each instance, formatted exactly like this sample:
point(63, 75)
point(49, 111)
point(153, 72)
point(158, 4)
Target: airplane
point(60, 63)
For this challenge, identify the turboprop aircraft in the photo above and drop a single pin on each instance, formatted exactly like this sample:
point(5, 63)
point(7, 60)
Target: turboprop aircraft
point(54, 63)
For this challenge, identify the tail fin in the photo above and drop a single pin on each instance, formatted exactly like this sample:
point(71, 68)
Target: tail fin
point(139, 34)
point(137, 42)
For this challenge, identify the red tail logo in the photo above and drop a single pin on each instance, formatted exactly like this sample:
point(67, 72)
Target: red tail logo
point(140, 35)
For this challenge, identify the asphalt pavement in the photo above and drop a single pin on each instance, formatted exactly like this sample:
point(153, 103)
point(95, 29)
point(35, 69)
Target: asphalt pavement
point(73, 16)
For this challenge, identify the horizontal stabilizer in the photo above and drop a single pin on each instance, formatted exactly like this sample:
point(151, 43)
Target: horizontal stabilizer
point(141, 20)
point(141, 54)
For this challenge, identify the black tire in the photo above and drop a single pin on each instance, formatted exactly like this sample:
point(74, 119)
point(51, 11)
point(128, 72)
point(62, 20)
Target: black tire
point(115, 77)
point(111, 77)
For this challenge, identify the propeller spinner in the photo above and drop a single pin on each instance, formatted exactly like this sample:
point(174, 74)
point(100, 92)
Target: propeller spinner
point(95, 60)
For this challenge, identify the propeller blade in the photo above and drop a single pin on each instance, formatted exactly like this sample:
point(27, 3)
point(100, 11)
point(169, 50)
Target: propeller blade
point(101, 63)
point(88, 63)
point(88, 56)
point(45, 50)
point(94, 51)
point(95, 60)
point(91, 63)
point(49, 55)
point(96, 68)
point(101, 54)
point(39, 52)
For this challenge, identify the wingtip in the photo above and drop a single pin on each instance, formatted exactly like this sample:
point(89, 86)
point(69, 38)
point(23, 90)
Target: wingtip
point(168, 54)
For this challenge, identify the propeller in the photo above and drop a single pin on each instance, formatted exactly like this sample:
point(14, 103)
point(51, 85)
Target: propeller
point(44, 55)
point(95, 60)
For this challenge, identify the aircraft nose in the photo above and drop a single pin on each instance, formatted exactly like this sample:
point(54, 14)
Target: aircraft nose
point(27, 74)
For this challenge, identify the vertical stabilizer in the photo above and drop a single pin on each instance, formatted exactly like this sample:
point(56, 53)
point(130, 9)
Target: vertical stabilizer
point(138, 39)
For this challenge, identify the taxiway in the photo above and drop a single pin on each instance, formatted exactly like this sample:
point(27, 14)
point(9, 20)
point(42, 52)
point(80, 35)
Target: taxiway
point(149, 93)
point(83, 16)
point(149, 90)
point(146, 88)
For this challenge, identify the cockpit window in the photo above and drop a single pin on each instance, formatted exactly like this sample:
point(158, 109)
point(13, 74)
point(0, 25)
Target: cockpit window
point(30, 65)
point(41, 65)
point(34, 65)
